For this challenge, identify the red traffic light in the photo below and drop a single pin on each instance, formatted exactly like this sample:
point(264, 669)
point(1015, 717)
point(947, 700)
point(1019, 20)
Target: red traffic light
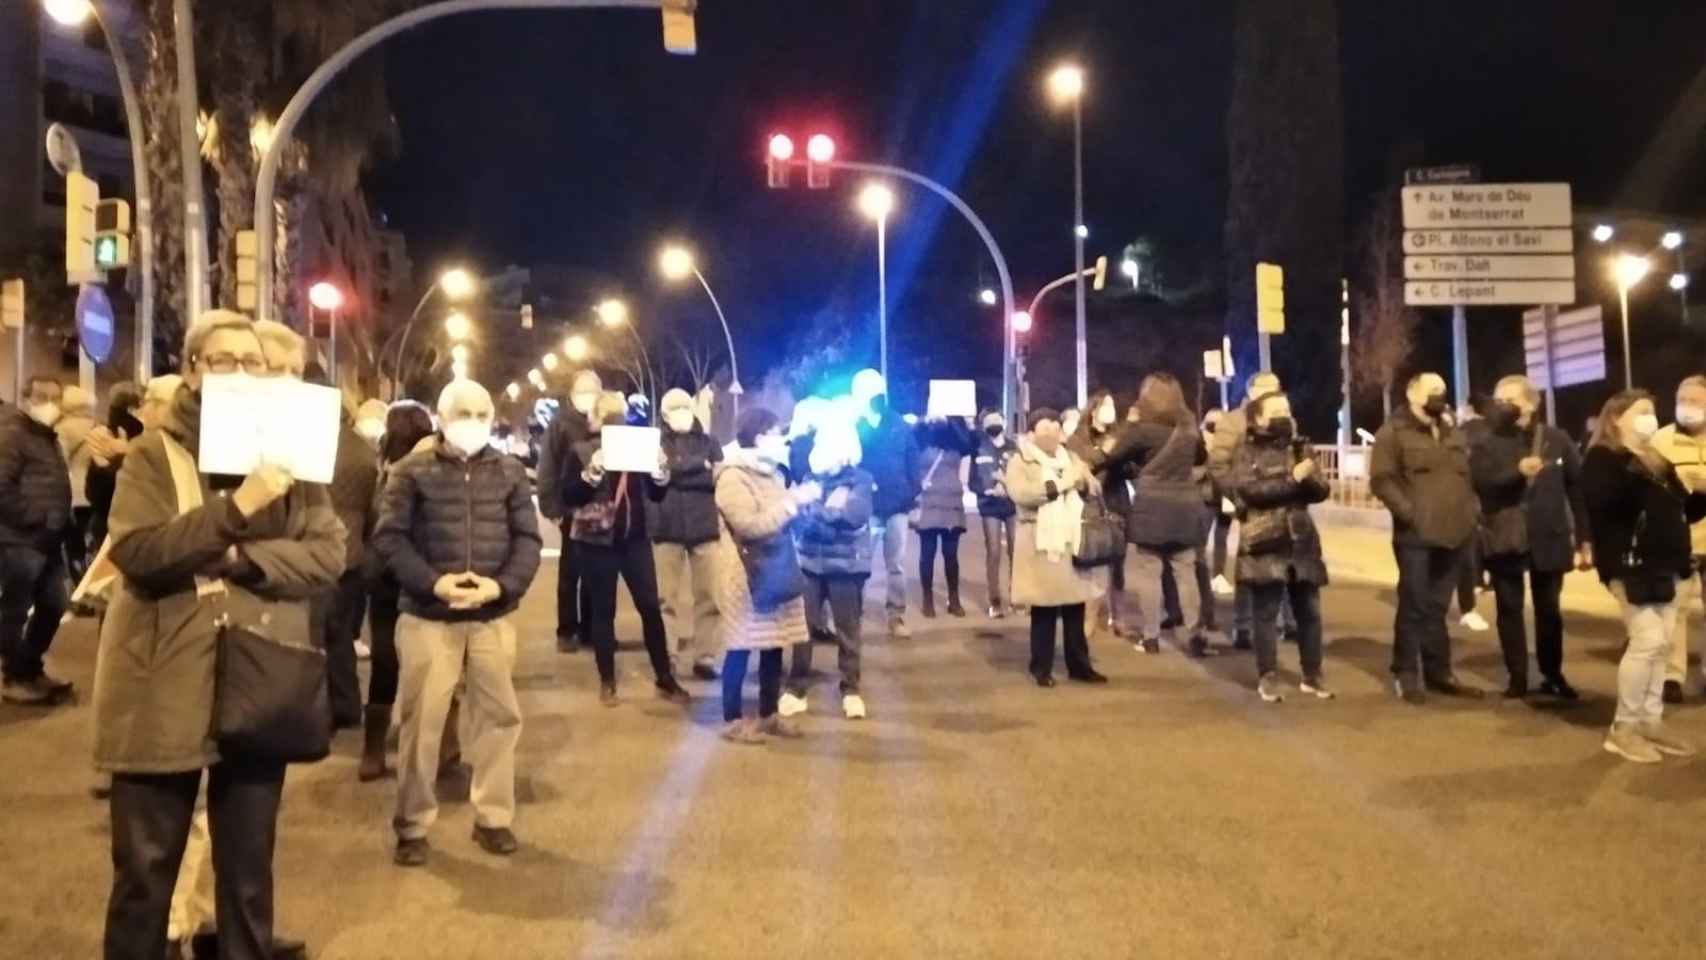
point(325, 296)
point(781, 147)
point(820, 148)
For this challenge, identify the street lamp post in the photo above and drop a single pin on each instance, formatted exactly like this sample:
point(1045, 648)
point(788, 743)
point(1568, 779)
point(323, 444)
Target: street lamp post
point(1629, 271)
point(457, 284)
point(1679, 281)
point(876, 201)
point(326, 296)
point(71, 13)
point(676, 263)
point(613, 313)
point(1066, 84)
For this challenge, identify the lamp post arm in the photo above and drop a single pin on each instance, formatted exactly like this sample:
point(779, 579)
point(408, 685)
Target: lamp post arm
point(734, 365)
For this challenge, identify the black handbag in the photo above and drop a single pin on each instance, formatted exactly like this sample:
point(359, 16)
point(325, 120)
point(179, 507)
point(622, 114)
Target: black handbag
point(1101, 540)
point(269, 698)
point(773, 574)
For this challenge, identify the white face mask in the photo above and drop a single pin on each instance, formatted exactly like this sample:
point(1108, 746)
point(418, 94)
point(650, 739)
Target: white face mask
point(46, 414)
point(1105, 415)
point(681, 421)
point(773, 447)
point(583, 402)
point(1645, 425)
point(1690, 416)
point(468, 437)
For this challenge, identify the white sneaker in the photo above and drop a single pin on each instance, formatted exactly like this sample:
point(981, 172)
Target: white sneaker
point(1222, 586)
point(1474, 621)
point(790, 705)
point(853, 706)
point(363, 651)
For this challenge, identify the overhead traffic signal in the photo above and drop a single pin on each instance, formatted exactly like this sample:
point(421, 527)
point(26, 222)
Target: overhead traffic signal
point(778, 159)
point(247, 250)
point(82, 196)
point(1100, 279)
point(1270, 298)
point(820, 152)
point(112, 234)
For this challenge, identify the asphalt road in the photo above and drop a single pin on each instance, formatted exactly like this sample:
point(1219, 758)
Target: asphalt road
point(1169, 814)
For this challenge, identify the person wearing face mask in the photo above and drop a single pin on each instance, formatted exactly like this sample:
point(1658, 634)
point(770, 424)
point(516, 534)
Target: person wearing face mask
point(35, 512)
point(607, 523)
point(1533, 521)
point(1639, 512)
point(458, 529)
point(1274, 481)
point(1048, 485)
point(1420, 470)
point(940, 517)
point(891, 457)
point(1099, 443)
point(1683, 443)
point(760, 588)
point(684, 534)
point(570, 426)
point(995, 509)
point(1222, 444)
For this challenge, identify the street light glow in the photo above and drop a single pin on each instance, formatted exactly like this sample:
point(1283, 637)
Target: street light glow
point(260, 134)
point(325, 296)
point(1082, 231)
point(550, 361)
point(514, 391)
point(1129, 268)
point(456, 283)
point(1679, 282)
point(574, 347)
point(1603, 233)
point(1672, 239)
point(459, 370)
point(459, 353)
point(675, 262)
point(69, 13)
point(781, 147)
point(987, 297)
point(820, 148)
point(1630, 270)
point(1066, 83)
point(1021, 321)
point(876, 201)
point(457, 326)
point(535, 377)
point(612, 312)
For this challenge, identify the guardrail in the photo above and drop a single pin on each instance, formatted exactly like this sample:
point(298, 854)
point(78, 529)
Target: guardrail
point(1346, 469)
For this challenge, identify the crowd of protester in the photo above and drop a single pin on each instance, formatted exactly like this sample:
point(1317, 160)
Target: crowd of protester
point(1096, 520)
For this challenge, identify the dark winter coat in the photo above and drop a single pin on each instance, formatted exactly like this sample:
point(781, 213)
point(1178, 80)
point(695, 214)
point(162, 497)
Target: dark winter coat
point(891, 458)
point(1544, 518)
point(567, 428)
point(1267, 495)
point(1108, 454)
point(630, 518)
point(35, 484)
point(355, 481)
point(1423, 480)
point(441, 514)
point(988, 469)
point(1167, 509)
point(837, 542)
point(686, 512)
point(1619, 490)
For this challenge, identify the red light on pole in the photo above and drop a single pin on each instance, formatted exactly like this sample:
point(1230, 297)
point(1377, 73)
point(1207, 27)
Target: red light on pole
point(781, 147)
point(780, 156)
point(820, 151)
point(1021, 321)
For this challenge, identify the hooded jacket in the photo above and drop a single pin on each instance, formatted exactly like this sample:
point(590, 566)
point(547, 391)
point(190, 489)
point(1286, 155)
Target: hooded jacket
point(891, 458)
point(35, 486)
point(685, 510)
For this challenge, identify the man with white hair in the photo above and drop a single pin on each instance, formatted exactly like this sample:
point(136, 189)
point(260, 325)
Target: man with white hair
point(458, 530)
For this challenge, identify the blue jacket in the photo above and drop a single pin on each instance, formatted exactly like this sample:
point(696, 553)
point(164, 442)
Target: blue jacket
point(837, 542)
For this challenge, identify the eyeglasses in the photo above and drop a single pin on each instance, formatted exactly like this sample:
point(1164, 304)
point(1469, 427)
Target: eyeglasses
point(252, 363)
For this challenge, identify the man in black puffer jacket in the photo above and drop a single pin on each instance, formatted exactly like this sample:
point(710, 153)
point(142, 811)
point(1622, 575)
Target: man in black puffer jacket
point(684, 533)
point(35, 509)
point(458, 530)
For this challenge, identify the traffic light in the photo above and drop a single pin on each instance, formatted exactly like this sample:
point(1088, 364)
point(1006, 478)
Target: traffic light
point(679, 35)
point(778, 158)
point(247, 251)
point(820, 152)
point(527, 316)
point(1100, 280)
point(112, 234)
point(82, 196)
point(1270, 298)
point(12, 304)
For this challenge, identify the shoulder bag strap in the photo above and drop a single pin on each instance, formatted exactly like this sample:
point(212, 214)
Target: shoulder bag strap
point(931, 475)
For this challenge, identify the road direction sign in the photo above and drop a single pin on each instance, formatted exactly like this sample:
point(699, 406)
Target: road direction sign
point(1487, 205)
point(1449, 173)
point(95, 322)
point(1549, 240)
point(1573, 345)
point(1491, 267)
point(1445, 293)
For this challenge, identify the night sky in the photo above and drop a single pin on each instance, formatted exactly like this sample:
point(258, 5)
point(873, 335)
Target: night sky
point(572, 138)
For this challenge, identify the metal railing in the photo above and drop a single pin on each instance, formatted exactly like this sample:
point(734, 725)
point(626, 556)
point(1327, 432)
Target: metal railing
point(1346, 470)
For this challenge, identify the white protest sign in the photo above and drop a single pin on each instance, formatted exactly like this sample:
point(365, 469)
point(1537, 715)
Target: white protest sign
point(630, 449)
point(1213, 365)
point(952, 398)
point(249, 420)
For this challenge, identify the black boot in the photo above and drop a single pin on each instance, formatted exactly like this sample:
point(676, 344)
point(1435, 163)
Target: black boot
point(954, 608)
point(378, 724)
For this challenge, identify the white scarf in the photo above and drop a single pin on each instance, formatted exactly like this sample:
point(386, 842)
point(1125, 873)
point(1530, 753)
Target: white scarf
point(1060, 522)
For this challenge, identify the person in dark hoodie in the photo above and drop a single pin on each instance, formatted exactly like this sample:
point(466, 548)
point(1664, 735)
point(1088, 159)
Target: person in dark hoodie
point(891, 457)
point(684, 533)
point(568, 428)
point(1420, 470)
point(995, 510)
point(607, 522)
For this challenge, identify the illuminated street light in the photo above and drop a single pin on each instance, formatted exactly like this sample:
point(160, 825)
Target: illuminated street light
point(459, 353)
point(1129, 268)
point(1603, 233)
point(1066, 86)
point(535, 377)
point(987, 297)
point(549, 361)
point(1672, 239)
point(514, 391)
point(459, 370)
point(876, 201)
point(1629, 270)
point(575, 348)
point(1022, 321)
point(457, 283)
point(612, 312)
point(456, 325)
point(1082, 232)
point(675, 262)
point(1066, 83)
point(70, 13)
point(325, 296)
point(260, 134)
point(1679, 282)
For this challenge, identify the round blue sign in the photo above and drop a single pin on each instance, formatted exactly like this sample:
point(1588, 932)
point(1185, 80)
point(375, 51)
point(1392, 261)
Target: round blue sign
point(95, 322)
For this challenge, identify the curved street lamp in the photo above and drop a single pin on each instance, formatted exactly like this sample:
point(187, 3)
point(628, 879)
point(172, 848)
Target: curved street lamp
point(677, 263)
point(876, 202)
point(613, 313)
point(457, 285)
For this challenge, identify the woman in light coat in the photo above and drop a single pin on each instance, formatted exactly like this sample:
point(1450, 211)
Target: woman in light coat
point(1048, 484)
point(756, 509)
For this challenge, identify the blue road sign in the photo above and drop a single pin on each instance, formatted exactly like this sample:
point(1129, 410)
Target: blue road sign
point(95, 322)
